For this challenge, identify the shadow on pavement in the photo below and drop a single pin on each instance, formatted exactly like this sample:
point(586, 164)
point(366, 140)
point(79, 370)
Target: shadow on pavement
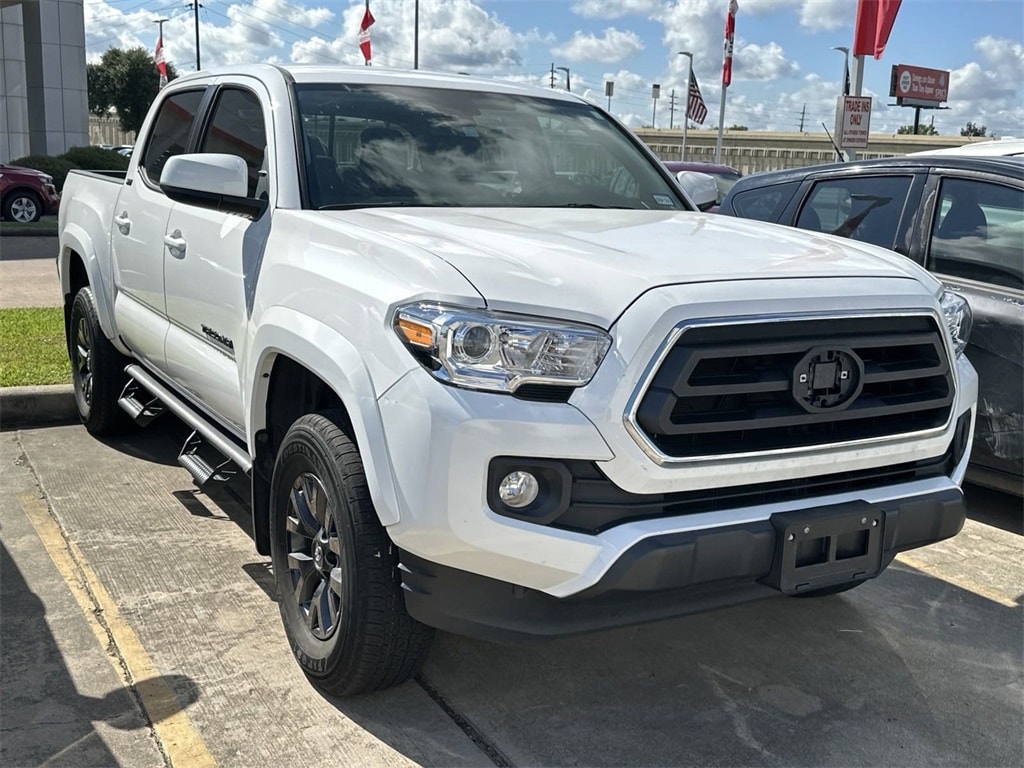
point(45, 719)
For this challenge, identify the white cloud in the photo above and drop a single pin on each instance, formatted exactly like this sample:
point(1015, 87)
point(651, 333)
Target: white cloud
point(614, 9)
point(762, 62)
point(827, 15)
point(613, 46)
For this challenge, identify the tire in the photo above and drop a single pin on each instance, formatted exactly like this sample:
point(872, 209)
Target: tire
point(97, 369)
point(23, 206)
point(336, 569)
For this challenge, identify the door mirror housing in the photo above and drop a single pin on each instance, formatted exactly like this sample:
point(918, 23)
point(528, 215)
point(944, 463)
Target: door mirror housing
point(210, 180)
point(701, 188)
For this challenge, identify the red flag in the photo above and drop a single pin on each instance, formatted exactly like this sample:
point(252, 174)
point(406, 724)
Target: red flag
point(696, 110)
point(158, 57)
point(874, 23)
point(730, 31)
point(364, 32)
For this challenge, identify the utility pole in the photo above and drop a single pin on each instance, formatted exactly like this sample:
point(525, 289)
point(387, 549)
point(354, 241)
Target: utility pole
point(552, 74)
point(195, 9)
point(672, 108)
point(803, 115)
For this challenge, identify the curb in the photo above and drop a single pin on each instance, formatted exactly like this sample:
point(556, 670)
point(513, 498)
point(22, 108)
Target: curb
point(33, 406)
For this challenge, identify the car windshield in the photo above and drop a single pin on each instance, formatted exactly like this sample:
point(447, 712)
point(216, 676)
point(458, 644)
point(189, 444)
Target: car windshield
point(378, 145)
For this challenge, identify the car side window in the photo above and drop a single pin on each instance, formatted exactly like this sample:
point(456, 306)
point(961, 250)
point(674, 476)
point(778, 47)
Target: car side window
point(978, 232)
point(865, 208)
point(171, 130)
point(764, 203)
point(237, 128)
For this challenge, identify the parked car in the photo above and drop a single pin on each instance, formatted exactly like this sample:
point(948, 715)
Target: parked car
point(962, 217)
point(725, 176)
point(994, 148)
point(26, 194)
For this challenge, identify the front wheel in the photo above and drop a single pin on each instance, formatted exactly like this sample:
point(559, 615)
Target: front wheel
point(23, 207)
point(335, 568)
point(97, 369)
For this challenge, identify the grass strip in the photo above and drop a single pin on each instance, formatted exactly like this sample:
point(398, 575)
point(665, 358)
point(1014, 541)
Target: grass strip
point(32, 347)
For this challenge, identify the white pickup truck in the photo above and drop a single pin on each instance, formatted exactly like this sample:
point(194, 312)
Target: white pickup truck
point(489, 371)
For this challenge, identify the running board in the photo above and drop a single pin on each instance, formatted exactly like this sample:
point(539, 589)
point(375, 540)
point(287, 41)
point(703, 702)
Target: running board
point(202, 428)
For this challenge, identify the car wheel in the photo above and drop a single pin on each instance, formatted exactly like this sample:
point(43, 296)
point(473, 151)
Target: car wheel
point(335, 568)
point(97, 369)
point(23, 207)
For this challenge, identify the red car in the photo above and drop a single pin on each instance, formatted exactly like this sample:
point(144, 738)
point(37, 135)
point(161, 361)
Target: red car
point(26, 194)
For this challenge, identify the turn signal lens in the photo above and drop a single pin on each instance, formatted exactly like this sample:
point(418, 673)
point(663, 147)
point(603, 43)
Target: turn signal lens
point(416, 333)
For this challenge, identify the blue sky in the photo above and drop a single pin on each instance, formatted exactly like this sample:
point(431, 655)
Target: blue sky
point(783, 64)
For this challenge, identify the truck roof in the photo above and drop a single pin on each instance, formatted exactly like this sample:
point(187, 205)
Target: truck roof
point(320, 74)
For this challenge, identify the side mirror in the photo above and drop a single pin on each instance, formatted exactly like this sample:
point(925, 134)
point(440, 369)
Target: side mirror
point(212, 181)
point(701, 188)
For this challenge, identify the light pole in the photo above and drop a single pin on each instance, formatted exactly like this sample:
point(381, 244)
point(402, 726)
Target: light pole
point(686, 99)
point(568, 87)
point(844, 91)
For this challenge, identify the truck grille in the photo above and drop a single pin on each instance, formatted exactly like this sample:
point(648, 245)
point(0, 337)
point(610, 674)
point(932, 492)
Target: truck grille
point(751, 387)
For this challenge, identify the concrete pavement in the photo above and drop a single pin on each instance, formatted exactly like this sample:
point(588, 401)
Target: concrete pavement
point(921, 666)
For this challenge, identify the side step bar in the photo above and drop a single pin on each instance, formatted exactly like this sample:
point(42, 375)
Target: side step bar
point(201, 471)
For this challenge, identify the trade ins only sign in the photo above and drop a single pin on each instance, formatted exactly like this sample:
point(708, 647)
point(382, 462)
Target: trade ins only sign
point(854, 121)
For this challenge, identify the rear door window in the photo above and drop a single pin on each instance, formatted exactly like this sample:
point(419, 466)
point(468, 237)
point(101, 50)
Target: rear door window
point(978, 232)
point(171, 131)
point(863, 208)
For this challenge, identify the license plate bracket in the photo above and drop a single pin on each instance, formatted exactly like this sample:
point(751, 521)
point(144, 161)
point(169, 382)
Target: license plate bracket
point(826, 546)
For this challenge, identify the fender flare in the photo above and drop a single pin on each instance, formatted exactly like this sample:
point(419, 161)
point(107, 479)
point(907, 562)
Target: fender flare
point(333, 358)
point(74, 238)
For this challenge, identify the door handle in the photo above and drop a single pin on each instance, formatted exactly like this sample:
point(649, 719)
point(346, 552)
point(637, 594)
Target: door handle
point(175, 243)
point(124, 224)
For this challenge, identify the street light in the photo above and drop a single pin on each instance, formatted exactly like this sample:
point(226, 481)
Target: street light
point(566, 70)
point(686, 99)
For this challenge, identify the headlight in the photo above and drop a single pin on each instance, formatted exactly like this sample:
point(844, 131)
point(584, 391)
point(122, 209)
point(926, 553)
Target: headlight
point(498, 352)
point(958, 319)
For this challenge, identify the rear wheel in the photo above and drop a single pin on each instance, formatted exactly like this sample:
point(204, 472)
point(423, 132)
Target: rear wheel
point(23, 206)
point(97, 369)
point(335, 567)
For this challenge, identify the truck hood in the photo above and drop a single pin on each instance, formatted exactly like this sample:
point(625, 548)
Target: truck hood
point(591, 264)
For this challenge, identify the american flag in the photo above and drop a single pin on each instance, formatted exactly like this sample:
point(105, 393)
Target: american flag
point(695, 108)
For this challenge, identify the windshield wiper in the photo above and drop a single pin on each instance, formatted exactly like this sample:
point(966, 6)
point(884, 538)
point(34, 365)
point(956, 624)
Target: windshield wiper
point(383, 204)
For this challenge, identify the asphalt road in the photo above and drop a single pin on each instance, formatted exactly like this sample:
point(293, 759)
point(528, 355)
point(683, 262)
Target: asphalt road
point(138, 630)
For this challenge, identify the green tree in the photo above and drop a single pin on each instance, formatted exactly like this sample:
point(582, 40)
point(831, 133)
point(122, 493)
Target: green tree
point(973, 129)
point(126, 80)
point(738, 128)
point(922, 130)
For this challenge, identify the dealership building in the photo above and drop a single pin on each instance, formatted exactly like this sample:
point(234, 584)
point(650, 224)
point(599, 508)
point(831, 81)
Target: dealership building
point(44, 105)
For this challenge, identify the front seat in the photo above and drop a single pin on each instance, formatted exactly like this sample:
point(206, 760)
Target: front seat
point(323, 172)
point(964, 219)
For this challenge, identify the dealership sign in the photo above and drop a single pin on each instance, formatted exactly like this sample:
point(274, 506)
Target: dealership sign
point(918, 86)
point(853, 116)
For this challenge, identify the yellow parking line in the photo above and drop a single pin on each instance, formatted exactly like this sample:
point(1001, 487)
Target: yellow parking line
point(964, 583)
point(180, 741)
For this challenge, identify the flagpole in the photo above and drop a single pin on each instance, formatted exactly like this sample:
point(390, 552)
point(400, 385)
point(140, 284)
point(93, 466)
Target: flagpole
point(730, 30)
point(844, 91)
point(686, 102)
point(415, 37)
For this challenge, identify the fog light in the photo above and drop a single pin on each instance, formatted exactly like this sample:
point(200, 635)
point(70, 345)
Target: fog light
point(518, 489)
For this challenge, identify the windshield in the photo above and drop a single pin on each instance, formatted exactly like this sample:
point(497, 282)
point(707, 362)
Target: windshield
point(395, 145)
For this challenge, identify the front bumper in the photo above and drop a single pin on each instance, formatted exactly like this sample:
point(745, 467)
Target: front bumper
point(681, 573)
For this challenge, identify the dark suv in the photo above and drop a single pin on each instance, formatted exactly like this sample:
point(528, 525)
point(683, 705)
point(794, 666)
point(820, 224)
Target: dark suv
point(959, 217)
point(26, 194)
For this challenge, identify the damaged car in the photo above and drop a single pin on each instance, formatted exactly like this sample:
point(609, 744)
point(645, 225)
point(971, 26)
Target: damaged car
point(959, 216)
